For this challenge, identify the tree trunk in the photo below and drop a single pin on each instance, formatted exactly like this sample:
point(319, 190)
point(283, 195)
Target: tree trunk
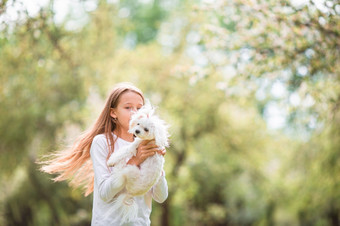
point(165, 213)
point(333, 217)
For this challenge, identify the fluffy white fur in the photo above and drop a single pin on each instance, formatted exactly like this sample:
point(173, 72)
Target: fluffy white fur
point(145, 126)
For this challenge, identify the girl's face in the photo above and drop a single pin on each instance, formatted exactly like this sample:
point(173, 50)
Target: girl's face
point(128, 103)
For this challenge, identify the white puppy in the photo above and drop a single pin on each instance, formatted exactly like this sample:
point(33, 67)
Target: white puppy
point(145, 126)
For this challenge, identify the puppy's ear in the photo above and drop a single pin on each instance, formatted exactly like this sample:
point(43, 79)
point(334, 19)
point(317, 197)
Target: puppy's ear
point(142, 116)
point(161, 134)
point(148, 109)
point(150, 113)
point(147, 104)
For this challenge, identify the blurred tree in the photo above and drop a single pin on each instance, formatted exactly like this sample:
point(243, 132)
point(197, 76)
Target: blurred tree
point(144, 17)
point(205, 70)
point(276, 42)
point(46, 73)
point(296, 45)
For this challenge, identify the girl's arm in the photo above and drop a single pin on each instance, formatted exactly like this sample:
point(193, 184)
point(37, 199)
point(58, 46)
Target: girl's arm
point(108, 183)
point(160, 190)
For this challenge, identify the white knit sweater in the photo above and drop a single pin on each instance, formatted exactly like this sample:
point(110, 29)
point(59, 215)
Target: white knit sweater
point(105, 188)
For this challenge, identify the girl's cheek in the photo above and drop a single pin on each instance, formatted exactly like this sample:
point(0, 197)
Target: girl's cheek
point(129, 117)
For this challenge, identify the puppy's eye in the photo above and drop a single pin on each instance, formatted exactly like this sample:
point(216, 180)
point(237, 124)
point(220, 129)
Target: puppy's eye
point(137, 124)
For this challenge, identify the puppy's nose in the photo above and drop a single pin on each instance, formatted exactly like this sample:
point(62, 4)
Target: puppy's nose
point(137, 131)
point(146, 129)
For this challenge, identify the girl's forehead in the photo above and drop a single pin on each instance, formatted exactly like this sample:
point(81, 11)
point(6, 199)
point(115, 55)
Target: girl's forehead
point(130, 98)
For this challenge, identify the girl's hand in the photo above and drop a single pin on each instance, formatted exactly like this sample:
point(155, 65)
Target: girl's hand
point(162, 152)
point(145, 149)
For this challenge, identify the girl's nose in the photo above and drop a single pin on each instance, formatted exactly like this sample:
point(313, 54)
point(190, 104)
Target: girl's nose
point(133, 110)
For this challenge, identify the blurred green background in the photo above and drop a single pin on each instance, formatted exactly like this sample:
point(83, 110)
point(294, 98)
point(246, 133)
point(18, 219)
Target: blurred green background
point(251, 90)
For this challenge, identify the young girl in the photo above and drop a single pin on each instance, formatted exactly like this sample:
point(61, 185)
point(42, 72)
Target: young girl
point(109, 134)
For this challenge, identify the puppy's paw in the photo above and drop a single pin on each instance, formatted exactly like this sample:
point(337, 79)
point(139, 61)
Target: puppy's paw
point(112, 161)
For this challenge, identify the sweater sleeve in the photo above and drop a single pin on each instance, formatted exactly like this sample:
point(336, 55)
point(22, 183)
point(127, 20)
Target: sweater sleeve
point(108, 182)
point(160, 190)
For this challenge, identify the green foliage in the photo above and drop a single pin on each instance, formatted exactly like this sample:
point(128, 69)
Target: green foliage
point(224, 166)
point(145, 18)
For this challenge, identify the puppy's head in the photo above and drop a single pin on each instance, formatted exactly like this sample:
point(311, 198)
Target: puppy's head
point(147, 126)
point(141, 124)
point(142, 127)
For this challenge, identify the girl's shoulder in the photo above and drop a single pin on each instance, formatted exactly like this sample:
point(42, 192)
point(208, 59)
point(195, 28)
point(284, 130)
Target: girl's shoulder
point(100, 138)
point(99, 142)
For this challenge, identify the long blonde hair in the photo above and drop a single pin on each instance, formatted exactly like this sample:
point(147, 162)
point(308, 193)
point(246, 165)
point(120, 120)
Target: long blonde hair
point(74, 163)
